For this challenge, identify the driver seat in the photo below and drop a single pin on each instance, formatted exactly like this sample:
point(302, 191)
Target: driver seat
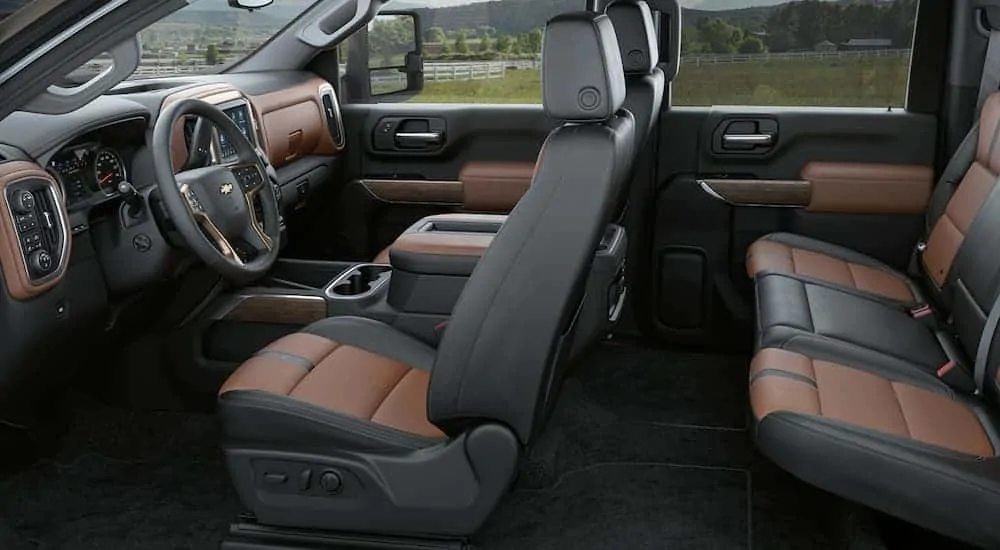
point(352, 425)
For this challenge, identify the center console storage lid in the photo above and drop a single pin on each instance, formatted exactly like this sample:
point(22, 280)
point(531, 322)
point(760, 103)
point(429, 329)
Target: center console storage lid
point(439, 253)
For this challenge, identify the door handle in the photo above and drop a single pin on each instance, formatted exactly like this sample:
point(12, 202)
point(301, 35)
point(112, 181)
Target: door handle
point(744, 140)
point(419, 139)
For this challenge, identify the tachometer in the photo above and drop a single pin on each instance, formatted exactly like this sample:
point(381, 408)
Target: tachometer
point(109, 170)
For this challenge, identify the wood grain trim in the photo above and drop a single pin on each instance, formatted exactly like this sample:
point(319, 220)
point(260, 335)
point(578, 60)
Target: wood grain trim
point(751, 192)
point(277, 309)
point(495, 186)
point(12, 261)
point(416, 191)
point(869, 188)
point(293, 122)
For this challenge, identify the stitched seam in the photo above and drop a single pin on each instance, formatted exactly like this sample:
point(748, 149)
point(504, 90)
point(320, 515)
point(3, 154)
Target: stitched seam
point(850, 271)
point(389, 393)
point(309, 372)
point(287, 358)
point(763, 373)
point(899, 405)
point(795, 264)
point(819, 394)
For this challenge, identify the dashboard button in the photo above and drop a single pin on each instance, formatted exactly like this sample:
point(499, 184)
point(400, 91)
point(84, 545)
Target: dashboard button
point(32, 241)
point(26, 222)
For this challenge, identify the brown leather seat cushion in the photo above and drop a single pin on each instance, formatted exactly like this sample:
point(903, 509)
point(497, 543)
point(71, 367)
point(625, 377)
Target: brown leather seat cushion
point(770, 256)
point(342, 378)
point(783, 381)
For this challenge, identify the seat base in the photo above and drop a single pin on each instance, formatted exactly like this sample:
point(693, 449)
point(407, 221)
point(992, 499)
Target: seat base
point(247, 534)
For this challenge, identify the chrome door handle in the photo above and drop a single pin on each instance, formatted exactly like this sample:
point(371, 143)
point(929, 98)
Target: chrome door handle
point(759, 140)
point(419, 138)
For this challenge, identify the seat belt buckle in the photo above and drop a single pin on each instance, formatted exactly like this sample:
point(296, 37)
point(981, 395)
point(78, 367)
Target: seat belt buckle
point(945, 369)
point(440, 328)
point(921, 312)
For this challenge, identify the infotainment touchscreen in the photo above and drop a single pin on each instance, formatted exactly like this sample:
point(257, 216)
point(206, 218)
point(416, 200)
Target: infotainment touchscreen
point(241, 116)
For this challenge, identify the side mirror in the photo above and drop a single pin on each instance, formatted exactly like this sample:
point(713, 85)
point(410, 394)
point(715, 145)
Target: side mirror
point(395, 53)
point(250, 4)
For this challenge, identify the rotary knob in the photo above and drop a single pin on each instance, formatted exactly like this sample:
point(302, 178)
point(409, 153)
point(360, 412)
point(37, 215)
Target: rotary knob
point(23, 202)
point(41, 261)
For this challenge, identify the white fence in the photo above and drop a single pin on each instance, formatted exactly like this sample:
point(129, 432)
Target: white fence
point(716, 59)
point(442, 71)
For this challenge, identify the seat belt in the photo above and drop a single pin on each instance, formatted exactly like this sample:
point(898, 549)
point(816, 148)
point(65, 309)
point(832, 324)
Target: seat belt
point(985, 343)
point(990, 80)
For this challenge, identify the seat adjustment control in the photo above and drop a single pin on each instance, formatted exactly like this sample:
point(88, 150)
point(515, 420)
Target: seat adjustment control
point(331, 482)
point(275, 479)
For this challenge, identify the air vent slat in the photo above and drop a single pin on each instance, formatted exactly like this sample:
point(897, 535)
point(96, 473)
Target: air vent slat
point(49, 231)
point(332, 118)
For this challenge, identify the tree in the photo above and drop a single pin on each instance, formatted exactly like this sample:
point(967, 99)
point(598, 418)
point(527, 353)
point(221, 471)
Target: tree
point(212, 55)
point(434, 35)
point(751, 45)
point(461, 43)
point(389, 40)
point(718, 36)
point(504, 43)
point(532, 42)
point(485, 44)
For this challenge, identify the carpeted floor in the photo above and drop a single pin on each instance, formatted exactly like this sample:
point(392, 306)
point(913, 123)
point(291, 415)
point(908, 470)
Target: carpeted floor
point(122, 480)
point(649, 449)
point(646, 449)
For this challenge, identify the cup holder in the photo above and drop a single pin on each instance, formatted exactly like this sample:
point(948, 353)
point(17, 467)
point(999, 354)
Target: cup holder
point(359, 281)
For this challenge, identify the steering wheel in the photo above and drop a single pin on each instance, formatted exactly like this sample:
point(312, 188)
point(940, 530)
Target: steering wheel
point(212, 207)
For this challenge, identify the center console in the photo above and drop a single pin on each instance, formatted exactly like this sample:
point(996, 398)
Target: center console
point(418, 290)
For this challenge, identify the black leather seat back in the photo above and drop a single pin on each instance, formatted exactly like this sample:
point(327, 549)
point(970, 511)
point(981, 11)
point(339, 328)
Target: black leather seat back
point(501, 356)
point(644, 81)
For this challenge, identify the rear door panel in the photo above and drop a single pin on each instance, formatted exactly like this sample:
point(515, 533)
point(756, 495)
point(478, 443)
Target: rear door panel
point(391, 186)
point(696, 279)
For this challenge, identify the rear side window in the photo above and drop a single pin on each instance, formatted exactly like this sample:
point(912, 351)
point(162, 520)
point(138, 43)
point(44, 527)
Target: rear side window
point(475, 51)
point(809, 53)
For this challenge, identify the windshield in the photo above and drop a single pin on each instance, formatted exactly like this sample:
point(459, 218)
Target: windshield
point(208, 35)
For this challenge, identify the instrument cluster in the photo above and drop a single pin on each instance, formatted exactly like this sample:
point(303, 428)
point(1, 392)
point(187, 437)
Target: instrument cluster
point(89, 169)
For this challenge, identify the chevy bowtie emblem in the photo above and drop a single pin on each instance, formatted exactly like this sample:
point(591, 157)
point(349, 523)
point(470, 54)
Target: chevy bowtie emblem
point(226, 188)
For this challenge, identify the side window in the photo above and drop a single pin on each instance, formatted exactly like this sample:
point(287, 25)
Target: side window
point(473, 51)
point(809, 53)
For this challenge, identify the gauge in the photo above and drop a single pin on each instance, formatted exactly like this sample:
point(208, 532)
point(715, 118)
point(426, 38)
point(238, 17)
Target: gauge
point(109, 170)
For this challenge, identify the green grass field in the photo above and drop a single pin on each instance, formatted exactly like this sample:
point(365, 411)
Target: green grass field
point(873, 82)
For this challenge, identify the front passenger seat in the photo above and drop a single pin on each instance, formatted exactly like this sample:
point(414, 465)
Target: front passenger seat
point(352, 425)
point(644, 86)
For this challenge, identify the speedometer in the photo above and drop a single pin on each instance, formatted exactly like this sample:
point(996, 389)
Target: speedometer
point(109, 170)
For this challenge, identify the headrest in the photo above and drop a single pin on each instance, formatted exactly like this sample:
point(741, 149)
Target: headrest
point(633, 22)
point(582, 75)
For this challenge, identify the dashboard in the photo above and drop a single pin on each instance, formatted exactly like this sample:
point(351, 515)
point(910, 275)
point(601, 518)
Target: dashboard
point(91, 168)
point(85, 240)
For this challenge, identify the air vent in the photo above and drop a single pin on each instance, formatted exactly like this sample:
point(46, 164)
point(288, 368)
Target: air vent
point(47, 215)
point(333, 122)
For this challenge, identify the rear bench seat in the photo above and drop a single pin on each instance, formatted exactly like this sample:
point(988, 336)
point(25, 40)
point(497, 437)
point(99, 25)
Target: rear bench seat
point(862, 388)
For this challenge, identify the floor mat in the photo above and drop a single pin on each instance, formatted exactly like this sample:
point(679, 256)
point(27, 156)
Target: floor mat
point(631, 506)
point(649, 449)
point(123, 480)
point(662, 386)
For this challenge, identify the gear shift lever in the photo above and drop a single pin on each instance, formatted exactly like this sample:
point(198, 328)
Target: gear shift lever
point(131, 198)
